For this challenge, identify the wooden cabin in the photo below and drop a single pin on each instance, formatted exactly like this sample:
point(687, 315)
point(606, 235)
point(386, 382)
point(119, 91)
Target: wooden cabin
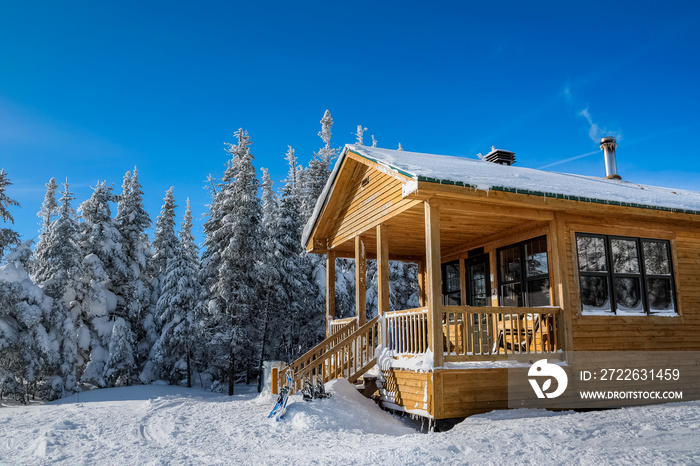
point(510, 260)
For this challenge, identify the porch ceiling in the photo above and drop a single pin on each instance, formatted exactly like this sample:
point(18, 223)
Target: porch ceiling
point(457, 228)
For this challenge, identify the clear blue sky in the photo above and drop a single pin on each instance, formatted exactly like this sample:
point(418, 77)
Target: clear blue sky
point(90, 89)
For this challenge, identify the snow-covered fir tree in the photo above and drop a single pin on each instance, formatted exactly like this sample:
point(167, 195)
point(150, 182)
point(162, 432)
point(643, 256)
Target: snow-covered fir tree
point(120, 366)
point(172, 353)
point(319, 169)
point(60, 278)
point(8, 237)
point(165, 245)
point(134, 292)
point(359, 135)
point(46, 214)
point(232, 242)
point(103, 265)
point(25, 345)
point(165, 241)
point(297, 326)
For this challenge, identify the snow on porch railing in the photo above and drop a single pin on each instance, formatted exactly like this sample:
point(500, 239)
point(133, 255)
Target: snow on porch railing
point(491, 333)
point(407, 331)
point(336, 325)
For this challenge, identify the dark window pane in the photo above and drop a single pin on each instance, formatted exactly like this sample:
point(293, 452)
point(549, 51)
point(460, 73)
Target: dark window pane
point(536, 257)
point(479, 295)
point(451, 277)
point(511, 295)
point(510, 264)
point(656, 258)
point(591, 254)
point(594, 294)
point(453, 299)
point(625, 256)
point(538, 292)
point(628, 295)
point(659, 294)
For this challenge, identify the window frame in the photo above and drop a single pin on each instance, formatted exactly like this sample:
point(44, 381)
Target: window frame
point(448, 294)
point(643, 276)
point(524, 278)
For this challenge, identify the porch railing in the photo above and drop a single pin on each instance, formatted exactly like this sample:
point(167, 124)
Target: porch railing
point(407, 331)
point(337, 324)
point(492, 333)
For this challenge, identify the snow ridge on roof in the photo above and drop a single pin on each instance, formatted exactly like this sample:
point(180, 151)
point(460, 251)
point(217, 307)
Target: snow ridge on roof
point(491, 176)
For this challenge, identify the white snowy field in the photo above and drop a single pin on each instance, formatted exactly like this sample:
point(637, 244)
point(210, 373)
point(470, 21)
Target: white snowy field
point(159, 424)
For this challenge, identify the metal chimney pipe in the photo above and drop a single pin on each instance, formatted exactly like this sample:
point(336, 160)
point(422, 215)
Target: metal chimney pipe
point(608, 144)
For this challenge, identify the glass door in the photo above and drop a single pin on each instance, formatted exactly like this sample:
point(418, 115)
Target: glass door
point(478, 289)
point(478, 282)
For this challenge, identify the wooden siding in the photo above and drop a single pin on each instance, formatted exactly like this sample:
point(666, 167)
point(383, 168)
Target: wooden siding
point(468, 392)
point(367, 206)
point(408, 389)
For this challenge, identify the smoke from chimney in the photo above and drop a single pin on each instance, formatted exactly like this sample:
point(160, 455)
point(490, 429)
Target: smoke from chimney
point(608, 144)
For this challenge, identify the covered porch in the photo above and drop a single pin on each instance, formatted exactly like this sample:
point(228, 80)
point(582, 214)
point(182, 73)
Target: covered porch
point(488, 282)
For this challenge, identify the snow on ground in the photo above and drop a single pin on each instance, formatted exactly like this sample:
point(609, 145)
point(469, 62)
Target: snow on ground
point(157, 424)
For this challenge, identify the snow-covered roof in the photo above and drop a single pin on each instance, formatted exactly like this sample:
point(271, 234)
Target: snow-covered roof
point(486, 176)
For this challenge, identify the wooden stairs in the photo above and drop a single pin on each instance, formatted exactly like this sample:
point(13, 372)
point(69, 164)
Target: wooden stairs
point(348, 353)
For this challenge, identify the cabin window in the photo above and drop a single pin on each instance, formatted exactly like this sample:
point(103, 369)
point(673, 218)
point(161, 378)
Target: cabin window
point(451, 284)
point(523, 273)
point(625, 276)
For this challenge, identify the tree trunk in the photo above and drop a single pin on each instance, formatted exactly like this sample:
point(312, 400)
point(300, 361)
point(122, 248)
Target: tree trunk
point(262, 345)
point(231, 372)
point(189, 367)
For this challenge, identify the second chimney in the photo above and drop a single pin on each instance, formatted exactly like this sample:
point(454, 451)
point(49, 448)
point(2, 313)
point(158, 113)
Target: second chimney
point(608, 145)
point(500, 156)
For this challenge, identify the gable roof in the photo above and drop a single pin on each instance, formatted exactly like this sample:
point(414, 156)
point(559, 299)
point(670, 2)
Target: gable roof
point(481, 175)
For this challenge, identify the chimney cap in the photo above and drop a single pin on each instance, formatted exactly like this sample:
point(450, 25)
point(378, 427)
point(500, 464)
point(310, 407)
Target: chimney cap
point(500, 156)
point(608, 140)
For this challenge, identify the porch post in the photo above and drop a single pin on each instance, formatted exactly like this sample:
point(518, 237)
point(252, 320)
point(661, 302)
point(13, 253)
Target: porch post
point(383, 304)
point(434, 280)
point(382, 269)
point(330, 290)
point(360, 281)
point(560, 283)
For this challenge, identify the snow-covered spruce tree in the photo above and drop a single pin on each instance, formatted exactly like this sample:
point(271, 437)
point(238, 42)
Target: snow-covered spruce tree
point(319, 169)
point(25, 346)
point(120, 365)
point(172, 353)
point(103, 265)
point(297, 324)
point(8, 237)
point(46, 214)
point(271, 292)
point(403, 292)
point(359, 135)
point(134, 291)
point(232, 242)
point(60, 278)
point(165, 245)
